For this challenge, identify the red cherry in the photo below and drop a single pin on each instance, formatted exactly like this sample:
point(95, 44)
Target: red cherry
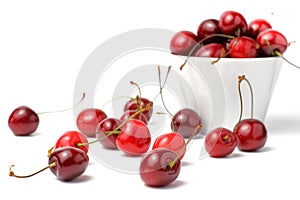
point(23, 121)
point(242, 47)
point(251, 134)
point(134, 105)
point(173, 141)
point(105, 126)
point(256, 26)
point(185, 121)
point(232, 23)
point(220, 142)
point(209, 27)
point(72, 138)
point(70, 162)
point(212, 50)
point(128, 113)
point(155, 169)
point(271, 42)
point(88, 120)
point(135, 138)
point(183, 42)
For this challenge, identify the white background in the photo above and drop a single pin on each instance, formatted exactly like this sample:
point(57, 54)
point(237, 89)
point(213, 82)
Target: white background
point(43, 45)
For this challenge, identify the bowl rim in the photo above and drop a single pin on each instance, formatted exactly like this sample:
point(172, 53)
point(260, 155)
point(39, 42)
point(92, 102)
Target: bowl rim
point(275, 58)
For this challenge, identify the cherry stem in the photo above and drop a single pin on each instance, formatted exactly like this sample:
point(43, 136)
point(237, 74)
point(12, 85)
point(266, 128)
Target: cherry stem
point(277, 53)
point(240, 80)
point(184, 147)
point(172, 123)
point(11, 173)
point(116, 130)
point(63, 110)
point(198, 44)
point(138, 87)
point(161, 86)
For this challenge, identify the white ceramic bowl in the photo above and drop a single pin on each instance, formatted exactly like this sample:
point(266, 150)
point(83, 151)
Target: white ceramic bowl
point(215, 87)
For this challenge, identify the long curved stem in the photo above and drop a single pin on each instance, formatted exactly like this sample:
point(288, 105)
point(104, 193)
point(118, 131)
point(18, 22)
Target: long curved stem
point(277, 53)
point(11, 173)
point(240, 80)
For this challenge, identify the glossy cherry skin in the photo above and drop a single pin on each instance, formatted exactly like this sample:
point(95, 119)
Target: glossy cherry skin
point(271, 41)
point(135, 138)
point(70, 162)
point(23, 121)
point(105, 126)
point(212, 50)
point(72, 139)
point(207, 28)
point(233, 23)
point(155, 170)
point(128, 113)
point(132, 106)
point(185, 122)
point(88, 120)
point(220, 142)
point(251, 134)
point(256, 26)
point(173, 141)
point(183, 42)
point(243, 47)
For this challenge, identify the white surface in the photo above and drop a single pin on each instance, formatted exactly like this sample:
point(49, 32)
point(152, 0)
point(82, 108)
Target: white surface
point(42, 47)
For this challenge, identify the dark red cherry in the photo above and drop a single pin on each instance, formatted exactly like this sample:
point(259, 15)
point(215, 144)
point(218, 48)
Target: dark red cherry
point(233, 23)
point(243, 47)
point(72, 138)
point(135, 138)
point(155, 169)
point(256, 26)
point(212, 50)
point(137, 104)
point(207, 28)
point(251, 134)
point(270, 42)
point(173, 141)
point(105, 127)
point(183, 42)
point(185, 122)
point(220, 142)
point(129, 113)
point(70, 163)
point(88, 120)
point(23, 121)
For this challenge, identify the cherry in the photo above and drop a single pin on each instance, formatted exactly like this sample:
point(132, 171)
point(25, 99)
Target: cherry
point(207, 28)
point(88, 120)
point(251, 134)
point(72, 138)
point(233, 23)
point(129, 113)
point(256, 26)
point(135, 138)
point(242, 47)
point(212, 50)
point(185, 121)
point(24, 121)
point(182, 42)
point(155, 169)
point(66, 163)
point(106, 126)
point(173, 141)
point(271, 43)
point(220, 142)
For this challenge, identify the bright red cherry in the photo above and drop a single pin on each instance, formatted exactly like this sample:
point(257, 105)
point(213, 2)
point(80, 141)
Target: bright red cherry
point(212, 50)
point(134, 105)
point(256, 26)
point(135, 138)
point(88, 120)
point(233, 23)
point(251, 134)
point(105, 127)
point(72, 138)
point(243, 47)
point(220, 142)
point(183, 42)
point(158, 169)
point(185, 122)
point(173, 141)
point(271, 43)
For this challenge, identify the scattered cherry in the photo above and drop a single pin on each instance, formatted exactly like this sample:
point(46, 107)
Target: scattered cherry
point(106, 126)
point(128, 113)
point(88, 120)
